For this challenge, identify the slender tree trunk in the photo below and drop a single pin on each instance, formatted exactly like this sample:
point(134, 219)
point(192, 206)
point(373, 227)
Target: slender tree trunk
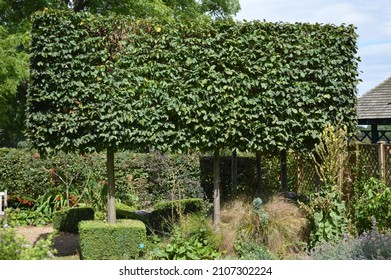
point(111, 217)
point(284, 171)
point(216, 190)
point(299, 160)
point(258, 190)
point(234, 173)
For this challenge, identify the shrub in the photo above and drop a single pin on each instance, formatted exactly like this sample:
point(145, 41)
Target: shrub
point(192, 239)
point(103, 241)
point(368, 246)
point(372, 201)
point(249, 249)
point(165, 214)
point(26, 217)
point(68, 219)
point(327, 214)
point(140, 178)
point(13, 247)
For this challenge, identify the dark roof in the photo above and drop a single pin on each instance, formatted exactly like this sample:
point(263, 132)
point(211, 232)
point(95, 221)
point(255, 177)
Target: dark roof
point(375, 105)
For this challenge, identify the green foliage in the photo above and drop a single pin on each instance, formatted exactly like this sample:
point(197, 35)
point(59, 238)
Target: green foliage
point(26, 217)
point(192, 239)
point(372, 201)
point(14, 247)
point(142, 84)
point(327, 214)
point(249, 249)
point(13, 76)
point(68, 219)
point(103, 241)
point(166, 214)
point(368, 246)
point(140, 178)
point(331, 154)
point(126, 212)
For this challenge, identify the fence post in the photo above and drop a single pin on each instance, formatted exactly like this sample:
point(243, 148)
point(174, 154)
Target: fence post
point(382, 160)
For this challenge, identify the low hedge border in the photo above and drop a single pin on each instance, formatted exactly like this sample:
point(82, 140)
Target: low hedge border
point(68, 219)
point(100, 240)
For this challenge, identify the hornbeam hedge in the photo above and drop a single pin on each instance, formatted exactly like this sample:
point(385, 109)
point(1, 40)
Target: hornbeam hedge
point(113, 82)
point(116, 83)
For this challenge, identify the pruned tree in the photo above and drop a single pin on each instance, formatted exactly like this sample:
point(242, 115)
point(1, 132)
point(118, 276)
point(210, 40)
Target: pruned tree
point(112, 83)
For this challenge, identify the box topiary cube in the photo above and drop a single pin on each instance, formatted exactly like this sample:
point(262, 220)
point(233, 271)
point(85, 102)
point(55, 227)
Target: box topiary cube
point(68, 219)
point(100, 240)
point(165, 214)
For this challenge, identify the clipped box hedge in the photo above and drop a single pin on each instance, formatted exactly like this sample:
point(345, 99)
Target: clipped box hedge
point(100, 240)
point(124, 211)
point(68, 219)
point(165, 214)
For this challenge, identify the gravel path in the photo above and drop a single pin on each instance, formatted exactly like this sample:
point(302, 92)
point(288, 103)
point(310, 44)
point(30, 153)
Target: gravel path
point(66, 244)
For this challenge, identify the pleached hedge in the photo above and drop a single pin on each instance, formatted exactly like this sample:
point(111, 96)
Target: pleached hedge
point(99, 82)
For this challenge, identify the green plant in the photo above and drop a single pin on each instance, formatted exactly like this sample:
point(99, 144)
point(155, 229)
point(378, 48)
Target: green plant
point(14, 247)
point(327, 210)
point(331, 154)
point(249, 249)
point(68, 219)
point(26, 217)
point(192, 239)
point(372, 201)
point(327, 214)
point(100, 240)
point(166, 214)
point(370, 245)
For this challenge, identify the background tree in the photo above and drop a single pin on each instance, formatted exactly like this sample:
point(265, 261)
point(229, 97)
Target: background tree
point(13, 85)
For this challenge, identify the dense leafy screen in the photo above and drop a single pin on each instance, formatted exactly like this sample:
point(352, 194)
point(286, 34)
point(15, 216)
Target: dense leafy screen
point(101, 82)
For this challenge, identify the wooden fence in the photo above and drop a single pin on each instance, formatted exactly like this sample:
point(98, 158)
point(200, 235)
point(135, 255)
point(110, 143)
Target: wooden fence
point(375, 161)
point(365, 161)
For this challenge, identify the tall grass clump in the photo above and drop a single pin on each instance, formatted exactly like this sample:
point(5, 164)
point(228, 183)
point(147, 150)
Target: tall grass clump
point(282, 226)
point(274, 229)
point(237, 220)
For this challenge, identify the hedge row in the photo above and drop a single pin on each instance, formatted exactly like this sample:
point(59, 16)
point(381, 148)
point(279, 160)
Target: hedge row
point(148, 176)
point(68, 220)
point(99, 82)
point(103, 241)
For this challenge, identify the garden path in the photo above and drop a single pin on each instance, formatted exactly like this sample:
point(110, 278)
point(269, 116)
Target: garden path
point(66, 244)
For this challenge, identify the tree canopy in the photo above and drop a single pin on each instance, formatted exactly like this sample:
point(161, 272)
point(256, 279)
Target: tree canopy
point(121, 83)
point(14, 36)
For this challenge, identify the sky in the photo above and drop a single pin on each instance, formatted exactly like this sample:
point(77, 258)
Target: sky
point(372, 18)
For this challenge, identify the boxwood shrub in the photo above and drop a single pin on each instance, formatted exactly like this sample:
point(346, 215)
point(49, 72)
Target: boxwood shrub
point(100, 240)
point(68, 219)
point(124, 211)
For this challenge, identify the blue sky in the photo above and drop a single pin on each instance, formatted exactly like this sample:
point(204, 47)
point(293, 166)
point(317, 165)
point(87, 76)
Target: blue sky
point(371, 17)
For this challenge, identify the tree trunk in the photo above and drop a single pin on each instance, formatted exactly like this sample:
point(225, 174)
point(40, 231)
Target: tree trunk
point(284, 171)
point(111, 215)
point(234, 173)
point(216, 190)
point(258, 190)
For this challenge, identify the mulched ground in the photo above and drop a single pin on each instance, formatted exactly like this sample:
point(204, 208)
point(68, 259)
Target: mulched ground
point(66, 244)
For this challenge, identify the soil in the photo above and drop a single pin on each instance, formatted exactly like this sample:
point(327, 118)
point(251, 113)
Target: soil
point(66, 244)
